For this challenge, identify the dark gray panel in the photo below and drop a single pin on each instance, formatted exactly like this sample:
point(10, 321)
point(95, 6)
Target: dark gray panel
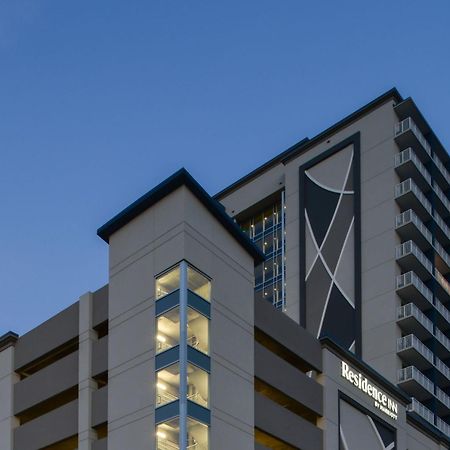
point(288, 333)
point(260, 447)
point(100, 356)
point(100, 306)
point(335, 239)
point(340, 320)
point(320, 205)
point(285, 425)
point(281, 375)
point(48, 429)
point(46, 337)
point(48, 382)
point(317, 287)
point(100, 406)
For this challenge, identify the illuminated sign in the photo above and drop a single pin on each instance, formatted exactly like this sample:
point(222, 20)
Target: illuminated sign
point(381, 401)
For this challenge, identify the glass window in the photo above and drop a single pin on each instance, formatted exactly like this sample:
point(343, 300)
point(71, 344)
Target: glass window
point(168, 435)
point(168, 330)
point(198, 331)
point(197, 435)
point(199, 284)
point(168, 385)
point(198, 385)
point(168, 282)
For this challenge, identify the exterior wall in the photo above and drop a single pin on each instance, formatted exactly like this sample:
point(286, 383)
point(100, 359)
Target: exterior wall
point(7, 379)
point(178, 227)
point(407, 436)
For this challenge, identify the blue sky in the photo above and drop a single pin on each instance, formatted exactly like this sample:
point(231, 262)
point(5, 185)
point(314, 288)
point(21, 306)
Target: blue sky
point(100, 100)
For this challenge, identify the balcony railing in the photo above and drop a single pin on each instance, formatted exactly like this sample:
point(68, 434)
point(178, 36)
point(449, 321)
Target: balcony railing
point(409, 186)
point(445, 313)
point(441, 168)
point(442, 338)
point(410, 216)
point(411, 341)
point(409, 155)
point(442, 281)
point(412, 373)
point(424, 412)
point(408, 124)
point(411, 310)
point(441, 196)
point(443, 426)
point(442, 253)
point(410, 278)
point(443, 368)
point(410, 247)
point(443, 397)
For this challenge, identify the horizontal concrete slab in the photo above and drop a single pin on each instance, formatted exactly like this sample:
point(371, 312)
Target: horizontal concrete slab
point(284, 377)
point(288, 333)
point(48, 336)
point(285, 425)
point(48, 429)
point(48, 382)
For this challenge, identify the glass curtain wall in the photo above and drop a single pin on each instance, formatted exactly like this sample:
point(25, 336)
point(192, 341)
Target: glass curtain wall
point(267, 230)
point(183, 296)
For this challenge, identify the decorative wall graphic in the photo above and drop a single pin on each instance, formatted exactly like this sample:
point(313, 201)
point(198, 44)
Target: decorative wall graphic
point(329, 255)
point(358, 430)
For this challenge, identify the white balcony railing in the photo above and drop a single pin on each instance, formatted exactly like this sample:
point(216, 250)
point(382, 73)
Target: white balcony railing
point(411, 341)
point(443, 397)
point(411, 310)
point(441, 195)
point(445, 313)
point(417, 407)
point(443, 426)
point(410, 216)
point(441, 168)
point(410, 278)
point(412, 373)
point(409, 247)
point(443, 368)
point(409, 186)
point(408, 124)
point(409, 155)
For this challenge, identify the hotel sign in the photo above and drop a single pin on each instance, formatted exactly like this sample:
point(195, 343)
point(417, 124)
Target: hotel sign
point(381, 401)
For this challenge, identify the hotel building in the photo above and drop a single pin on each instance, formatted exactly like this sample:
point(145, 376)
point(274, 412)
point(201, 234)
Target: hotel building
point(306, 306)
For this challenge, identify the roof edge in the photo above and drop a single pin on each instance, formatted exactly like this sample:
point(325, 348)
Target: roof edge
point(8, 340)
point(306, 143)
point(180, 178)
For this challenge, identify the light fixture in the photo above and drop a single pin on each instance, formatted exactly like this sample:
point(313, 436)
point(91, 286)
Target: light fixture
point(161, 434)
point(162, 386)
point(161, 338)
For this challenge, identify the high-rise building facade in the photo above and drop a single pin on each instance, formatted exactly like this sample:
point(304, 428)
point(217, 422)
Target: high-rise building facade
point(306, 306)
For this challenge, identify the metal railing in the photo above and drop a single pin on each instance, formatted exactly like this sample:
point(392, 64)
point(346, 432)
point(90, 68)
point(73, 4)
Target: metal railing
point(441, 168)
point(442, 281)
point(443, 426)
point(409, 124)
point(443, 397)
point(424, 412)
point(410, 216)
point(443, 368)
point(409, 155)
point(409, 247)
point(442, 338)
point(442, 309)
point(409, 186)
point(442, 253)
point(412, 373)
point(442, 225)
point(441, 195)
point(411, 310)
point(410, 278)
point(411, 341)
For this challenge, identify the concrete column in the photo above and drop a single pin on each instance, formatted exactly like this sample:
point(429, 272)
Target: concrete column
point(7, 380)
point(86, 386)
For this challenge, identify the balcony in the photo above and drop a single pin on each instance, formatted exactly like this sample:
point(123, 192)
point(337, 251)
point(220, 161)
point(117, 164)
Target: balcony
point(411, 350)
point(442, 258)
point(442, 173)
point(442, 230)
point(415, 383)
point(442, 344)
point(443, 286)
point(410, 227)
point(442, 373)
point(443, 426)
point(408, 195)
point(443, 318)
point(443, 204)
point(443, 407)
point(410, 257)
point(410, 287)
point(417, 407)
point(408, 165)
point(413, 321)
point(407, 134)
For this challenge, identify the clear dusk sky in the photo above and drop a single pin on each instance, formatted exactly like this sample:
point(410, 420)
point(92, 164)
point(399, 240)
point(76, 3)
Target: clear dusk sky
point(100, 100)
